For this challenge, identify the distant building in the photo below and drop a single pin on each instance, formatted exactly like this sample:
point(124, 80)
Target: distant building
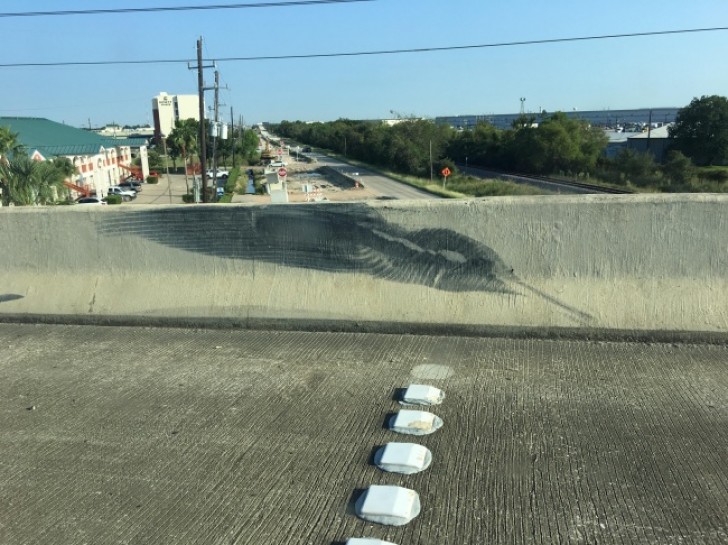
point(598, 118)
point(167, 109)
point(100, 162)
point(393, 122)
point(655, 141)
point(143, 133)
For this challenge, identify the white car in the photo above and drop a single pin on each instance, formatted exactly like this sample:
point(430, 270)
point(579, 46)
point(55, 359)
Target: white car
point(278, 164)
point(221, 173)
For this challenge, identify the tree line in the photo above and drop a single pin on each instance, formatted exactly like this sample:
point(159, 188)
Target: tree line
point(552, 144)
point(410, 146)
point(183, 143)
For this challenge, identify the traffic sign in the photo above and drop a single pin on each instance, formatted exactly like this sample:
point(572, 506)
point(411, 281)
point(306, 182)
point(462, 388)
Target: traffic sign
point(282, 172)
point(445, 172)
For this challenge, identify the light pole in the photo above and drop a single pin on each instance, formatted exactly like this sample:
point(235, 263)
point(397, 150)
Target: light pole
point(466, 165)
point(166, 163)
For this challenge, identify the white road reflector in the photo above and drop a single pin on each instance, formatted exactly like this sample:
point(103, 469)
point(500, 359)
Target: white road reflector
point(405, 458)
point(415, 422)
point(367, 541)
point(391, 505)
point(422, 394)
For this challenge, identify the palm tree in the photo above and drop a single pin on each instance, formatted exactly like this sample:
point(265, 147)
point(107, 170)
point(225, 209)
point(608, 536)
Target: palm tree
point(65, 171)
point(9, 142)
point(19, 177)
point(28, 182)
point(184, 139)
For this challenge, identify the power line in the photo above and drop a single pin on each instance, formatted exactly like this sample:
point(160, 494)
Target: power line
point(177, 8)
point(478, 46)
point(376, 52)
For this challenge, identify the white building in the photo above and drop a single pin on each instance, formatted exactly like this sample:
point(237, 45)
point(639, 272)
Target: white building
point(169, 108)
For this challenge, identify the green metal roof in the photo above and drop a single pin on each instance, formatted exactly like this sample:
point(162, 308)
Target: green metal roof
point(52, 139)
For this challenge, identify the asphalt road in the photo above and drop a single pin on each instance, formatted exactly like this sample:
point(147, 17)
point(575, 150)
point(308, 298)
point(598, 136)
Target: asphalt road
point(375, 182)
point(115, 435)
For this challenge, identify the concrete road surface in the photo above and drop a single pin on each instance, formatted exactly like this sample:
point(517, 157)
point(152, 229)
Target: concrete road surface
point(172, 436)
point(375, 182)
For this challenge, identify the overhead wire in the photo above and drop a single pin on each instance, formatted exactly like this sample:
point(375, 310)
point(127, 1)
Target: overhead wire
point(110, 11)
point(373, 52)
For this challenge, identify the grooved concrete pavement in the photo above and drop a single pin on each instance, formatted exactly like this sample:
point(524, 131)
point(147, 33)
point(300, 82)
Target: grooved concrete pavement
point(169, 436)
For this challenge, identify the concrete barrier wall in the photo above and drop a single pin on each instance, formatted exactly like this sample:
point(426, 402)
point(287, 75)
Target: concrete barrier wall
point(582, 263)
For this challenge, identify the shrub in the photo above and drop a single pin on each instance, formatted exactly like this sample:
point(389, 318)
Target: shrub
point(678, 170)
point(489, 188)
point(113, 199)
point(188, 198)
point(152, 180)
point(713, 174)
point(232, 181)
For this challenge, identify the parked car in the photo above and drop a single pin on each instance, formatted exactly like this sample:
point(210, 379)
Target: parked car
point(91, 200)
point(279, 164)
point(126, 194)
point(133, 185)
point(221, 173)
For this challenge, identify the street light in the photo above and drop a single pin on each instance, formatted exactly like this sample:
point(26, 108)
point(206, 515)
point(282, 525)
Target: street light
point(166, 163)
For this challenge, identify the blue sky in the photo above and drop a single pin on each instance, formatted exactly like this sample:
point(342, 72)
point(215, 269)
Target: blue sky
point(638, 72)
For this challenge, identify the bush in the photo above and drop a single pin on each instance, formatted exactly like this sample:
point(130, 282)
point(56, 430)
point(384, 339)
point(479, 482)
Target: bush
point(190, 197)
point(713, 174)
point(232, 180)
point(678, 170)
point(152, 180)
point(113, 199)
point(476, 187)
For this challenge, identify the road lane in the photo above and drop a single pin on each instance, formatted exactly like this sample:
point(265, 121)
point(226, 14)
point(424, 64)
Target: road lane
point(375, 182)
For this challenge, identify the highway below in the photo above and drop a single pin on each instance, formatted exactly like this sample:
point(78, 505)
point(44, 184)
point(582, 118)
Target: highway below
point(383, 186)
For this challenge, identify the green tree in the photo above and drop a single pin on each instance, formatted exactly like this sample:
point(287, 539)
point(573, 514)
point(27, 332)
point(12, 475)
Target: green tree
point(635, 167)
point(249, 147)
point(9, 143)
point(244, 142)
point(27, 182)
point(557, 144)
point(172, 153)
point(701, 131)
point(678, 169)
point(183, 141)
point(154, 160)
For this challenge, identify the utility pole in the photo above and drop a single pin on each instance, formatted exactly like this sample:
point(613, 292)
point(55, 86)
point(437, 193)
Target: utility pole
point(649, 132)
point(430, 160)
point(232, 131)
point(201, 98)
point(216, 129)
point(203, 144)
